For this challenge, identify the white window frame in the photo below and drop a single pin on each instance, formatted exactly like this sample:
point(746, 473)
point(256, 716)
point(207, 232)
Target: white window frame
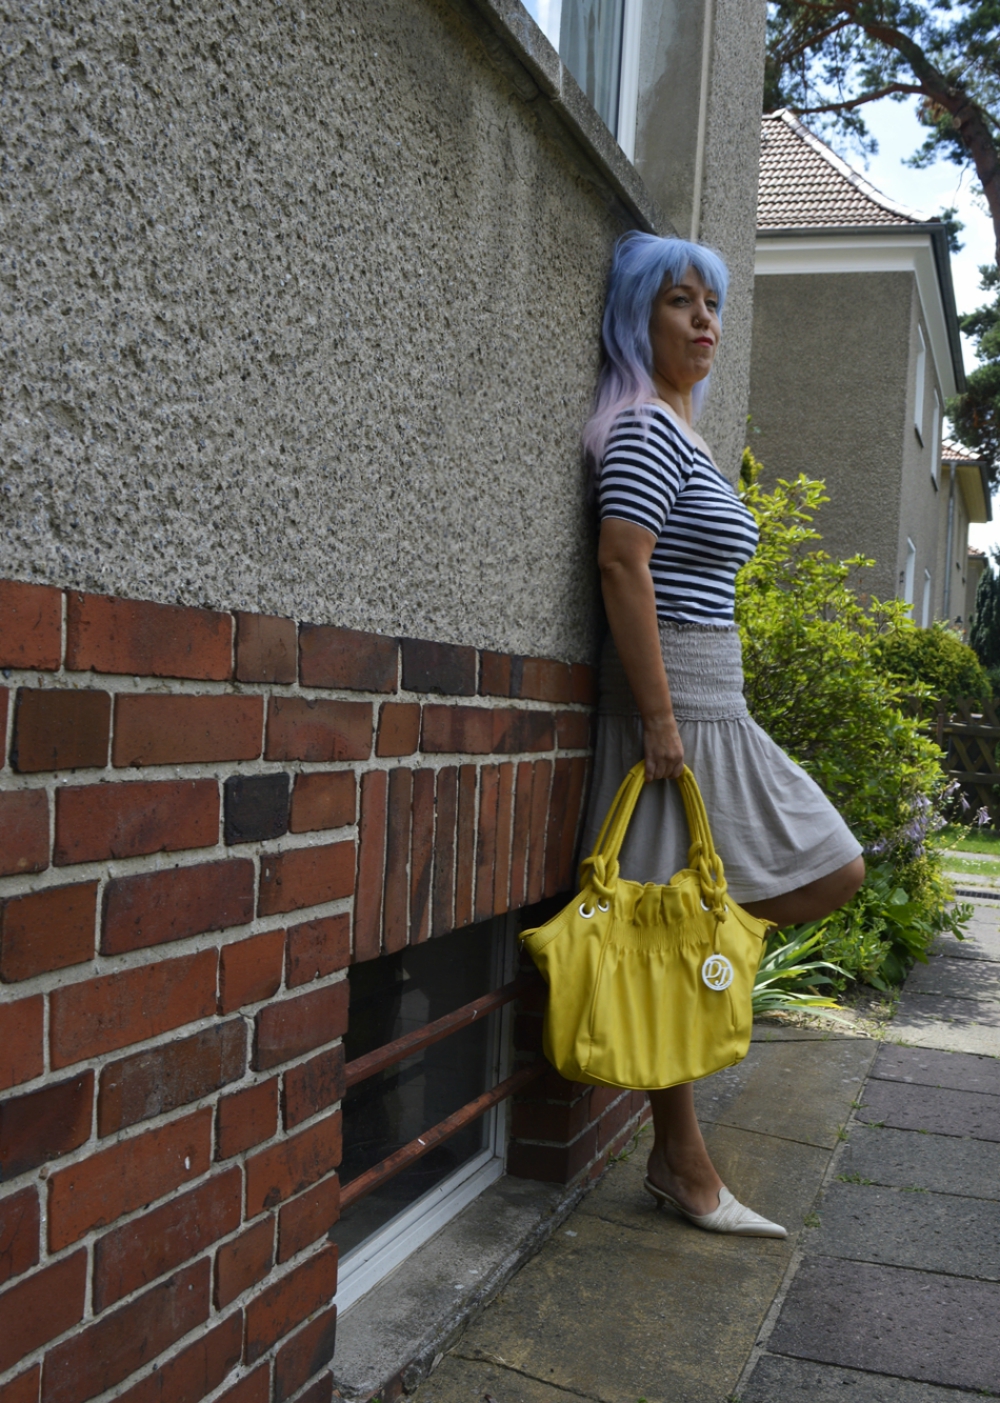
point(925, 612)
point(936, 441)
point(918, 401)
point(371, 1261)
point(909, 574)
point(547, 14)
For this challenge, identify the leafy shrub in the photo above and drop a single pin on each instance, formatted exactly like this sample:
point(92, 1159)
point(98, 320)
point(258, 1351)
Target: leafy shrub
point(817, 682)
point(937, 658)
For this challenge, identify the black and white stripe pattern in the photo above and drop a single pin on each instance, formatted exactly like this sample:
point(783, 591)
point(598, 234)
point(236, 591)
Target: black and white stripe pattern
point(653, 475)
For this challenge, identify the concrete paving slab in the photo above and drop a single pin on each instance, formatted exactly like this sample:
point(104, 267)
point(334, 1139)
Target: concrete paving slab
point(931, 1231)
point(935, 1112)
point(890, 1320)
point(797, 1091)
point(778, 1178)
point(954, 1025)
point(959, 979)
point(780, 1380)
point(904, 1158)
point(929, 1067)
point(982, 942)
point(617, 1314)
point(458, 1380)
point(768, 1032)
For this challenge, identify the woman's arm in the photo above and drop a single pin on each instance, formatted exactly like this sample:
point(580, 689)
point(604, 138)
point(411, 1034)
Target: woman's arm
point(623, 558)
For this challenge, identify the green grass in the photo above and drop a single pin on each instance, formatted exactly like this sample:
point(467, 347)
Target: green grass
point(974, 866)
point(969, 840)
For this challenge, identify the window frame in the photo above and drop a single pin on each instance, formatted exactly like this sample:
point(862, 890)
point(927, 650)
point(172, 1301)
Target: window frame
point(921, 384)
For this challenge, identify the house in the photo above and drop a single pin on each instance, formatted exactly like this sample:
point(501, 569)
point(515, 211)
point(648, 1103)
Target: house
point(855, 352)
point(966, 499)
point(976, 566)
point(297, 628)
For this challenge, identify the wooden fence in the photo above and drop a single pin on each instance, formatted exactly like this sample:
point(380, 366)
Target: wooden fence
point(968, 733)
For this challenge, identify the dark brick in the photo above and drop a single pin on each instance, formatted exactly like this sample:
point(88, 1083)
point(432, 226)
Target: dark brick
point(252, 1388)
point(397, 854)
point(247, 1118)
point(573, 730)
point(495, 674)
point(314, 1085)
point(583, 684)
point(308, 1217)
point(444, 851)
point(486, 840)
point(30, 626)
point(24, 828)
point(553, 1164)
point(250, 970)
point(465, 864)
point(421, 855)
point(301, 877)
point(24, 1388)
point(345, 657)
point(324, 801)
point(519, 842)
point(505, 812)
point(289, 1301)
point(172, 1075)
point(558, 822)
point(305, 1354)
point(243, 1262)
point(266, 648)
point(132, 1256)
point(544, 679)
point(40, 1307)
point(60, 730)
point(318, 948)
point(22, 1054)
point(371, 866)
point(458, 730)
point(20, 1219)
point(536, 842)
point(97, 1358)
point(47, 930)
point(99, 821)
point(194, 1372)
point(256, 807)
point(311, 728)
point(438, 667)
point(291, 1027)
point(398, 728)
point(153, 908)
point(291, 1165)
point(104, 634)
point(44, 1124)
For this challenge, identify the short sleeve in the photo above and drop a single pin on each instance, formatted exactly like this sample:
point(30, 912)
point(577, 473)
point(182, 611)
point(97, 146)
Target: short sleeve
point(646, 464)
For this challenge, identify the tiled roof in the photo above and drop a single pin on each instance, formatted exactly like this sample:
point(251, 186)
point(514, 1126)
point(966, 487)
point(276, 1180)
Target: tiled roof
point(805, 185)
point(952, 452)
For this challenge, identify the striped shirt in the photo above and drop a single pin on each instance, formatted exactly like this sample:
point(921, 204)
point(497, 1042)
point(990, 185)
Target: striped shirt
point(655, 476)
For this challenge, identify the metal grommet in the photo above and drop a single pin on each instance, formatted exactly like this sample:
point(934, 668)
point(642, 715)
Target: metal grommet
point(584, 912)
point(604, 906)
point(703, 906)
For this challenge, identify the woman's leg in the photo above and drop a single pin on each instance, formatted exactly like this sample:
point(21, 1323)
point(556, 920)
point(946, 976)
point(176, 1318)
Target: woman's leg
point(678, 1161)
point(813, 901)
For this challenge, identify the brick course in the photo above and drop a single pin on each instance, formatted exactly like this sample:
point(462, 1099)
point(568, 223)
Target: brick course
point(190, 1176)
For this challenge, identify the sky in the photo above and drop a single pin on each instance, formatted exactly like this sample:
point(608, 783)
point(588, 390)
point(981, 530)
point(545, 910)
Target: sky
point(899, 135)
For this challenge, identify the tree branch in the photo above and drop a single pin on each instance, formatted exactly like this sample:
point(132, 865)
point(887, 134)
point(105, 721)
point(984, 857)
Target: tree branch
point(850, 103)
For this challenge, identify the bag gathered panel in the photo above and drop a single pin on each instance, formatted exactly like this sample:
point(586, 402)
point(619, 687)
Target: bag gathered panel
point(649, 985)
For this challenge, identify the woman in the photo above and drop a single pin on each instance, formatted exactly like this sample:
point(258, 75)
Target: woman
point(673, 536)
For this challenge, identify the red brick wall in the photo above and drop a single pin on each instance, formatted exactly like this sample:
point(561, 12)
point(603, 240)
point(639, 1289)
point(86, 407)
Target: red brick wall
point(204, 817)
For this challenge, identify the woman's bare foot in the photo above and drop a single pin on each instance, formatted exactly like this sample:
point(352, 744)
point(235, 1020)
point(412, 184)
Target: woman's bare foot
point(678, 1163)
point(694, 1184)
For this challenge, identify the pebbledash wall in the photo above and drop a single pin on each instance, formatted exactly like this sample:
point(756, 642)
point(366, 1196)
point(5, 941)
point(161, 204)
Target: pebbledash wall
point(204, 818)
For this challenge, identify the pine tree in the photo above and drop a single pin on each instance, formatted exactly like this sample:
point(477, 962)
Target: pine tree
point(985, 634)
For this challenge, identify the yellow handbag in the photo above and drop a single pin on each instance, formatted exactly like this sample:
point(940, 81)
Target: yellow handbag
point(649, 986)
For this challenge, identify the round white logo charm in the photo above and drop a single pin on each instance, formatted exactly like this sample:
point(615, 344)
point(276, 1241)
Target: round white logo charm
point(717, 973)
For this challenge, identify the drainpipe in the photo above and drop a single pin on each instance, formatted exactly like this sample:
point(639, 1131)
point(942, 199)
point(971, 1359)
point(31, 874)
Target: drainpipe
point(946, 606)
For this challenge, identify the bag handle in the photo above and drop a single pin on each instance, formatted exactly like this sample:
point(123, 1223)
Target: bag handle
point(601, 868)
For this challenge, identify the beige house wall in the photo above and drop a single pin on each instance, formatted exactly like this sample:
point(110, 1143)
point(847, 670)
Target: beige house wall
point(922, 503)
point(828, 376)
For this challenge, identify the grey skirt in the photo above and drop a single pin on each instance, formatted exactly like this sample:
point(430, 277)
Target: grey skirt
point(773, 826)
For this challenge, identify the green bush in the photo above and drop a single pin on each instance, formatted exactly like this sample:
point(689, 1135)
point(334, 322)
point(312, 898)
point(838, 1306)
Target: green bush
point(816, 680)
point(937, 658)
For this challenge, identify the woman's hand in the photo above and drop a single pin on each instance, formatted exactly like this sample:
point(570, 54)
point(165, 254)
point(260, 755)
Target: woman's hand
point(663, 748)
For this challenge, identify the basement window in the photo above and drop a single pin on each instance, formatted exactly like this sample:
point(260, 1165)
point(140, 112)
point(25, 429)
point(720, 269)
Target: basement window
point(390, 997)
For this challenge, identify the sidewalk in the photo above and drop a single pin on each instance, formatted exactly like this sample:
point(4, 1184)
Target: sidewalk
point(891, 1271)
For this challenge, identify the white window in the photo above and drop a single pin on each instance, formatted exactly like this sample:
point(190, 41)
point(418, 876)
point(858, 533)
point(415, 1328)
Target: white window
point(918, 397)
point(936, 440)
point(925, 613)
point(909, 572)
point(598, 40)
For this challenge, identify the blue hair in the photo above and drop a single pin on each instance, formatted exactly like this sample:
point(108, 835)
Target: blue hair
point(641, 265)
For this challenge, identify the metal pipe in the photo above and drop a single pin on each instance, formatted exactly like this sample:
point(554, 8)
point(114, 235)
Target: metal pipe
point(946, 602)
point(401, 1159)
point(409, 1043)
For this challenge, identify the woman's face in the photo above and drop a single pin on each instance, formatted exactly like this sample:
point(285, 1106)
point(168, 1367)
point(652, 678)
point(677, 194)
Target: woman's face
point(684, 331)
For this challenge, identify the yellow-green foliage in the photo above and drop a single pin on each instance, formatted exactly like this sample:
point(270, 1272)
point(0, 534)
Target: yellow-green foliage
point(816, 681)
point(937, 658)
